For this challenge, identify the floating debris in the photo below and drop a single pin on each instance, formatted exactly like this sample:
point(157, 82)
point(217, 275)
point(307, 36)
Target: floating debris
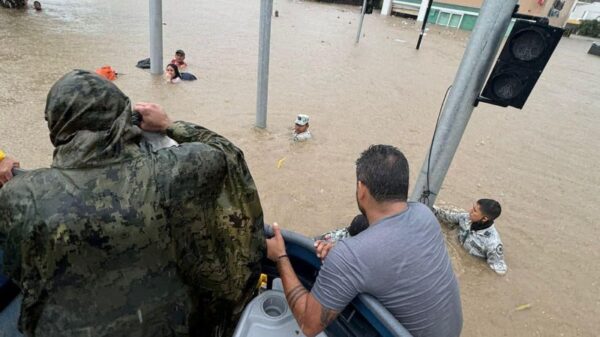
point(523, 307)
point(280, 162)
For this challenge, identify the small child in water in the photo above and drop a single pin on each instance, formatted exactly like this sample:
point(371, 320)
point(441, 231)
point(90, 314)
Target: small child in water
point(179, 59)
point(172, 74)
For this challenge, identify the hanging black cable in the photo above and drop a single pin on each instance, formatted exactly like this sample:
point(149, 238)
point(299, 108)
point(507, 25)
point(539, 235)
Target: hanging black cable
point(427, 192)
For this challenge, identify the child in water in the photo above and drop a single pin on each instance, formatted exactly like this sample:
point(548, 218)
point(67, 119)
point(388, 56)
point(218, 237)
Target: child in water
point(179, 59)
point(172, 74)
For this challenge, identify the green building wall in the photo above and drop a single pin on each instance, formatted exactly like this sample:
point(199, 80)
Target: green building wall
point(441, 17)
point(437, 12)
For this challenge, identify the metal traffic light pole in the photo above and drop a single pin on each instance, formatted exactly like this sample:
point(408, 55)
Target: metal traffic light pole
point(156, 38)
point(264, 48)
point(484, 42)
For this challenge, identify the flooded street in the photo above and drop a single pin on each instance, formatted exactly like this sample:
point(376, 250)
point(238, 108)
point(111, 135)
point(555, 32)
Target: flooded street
point(541, 162)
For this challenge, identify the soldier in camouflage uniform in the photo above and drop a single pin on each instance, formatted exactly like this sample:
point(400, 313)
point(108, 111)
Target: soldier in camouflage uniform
point(118, 240)
point(476, 231)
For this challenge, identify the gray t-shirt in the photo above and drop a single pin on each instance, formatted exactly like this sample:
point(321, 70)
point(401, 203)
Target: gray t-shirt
point(402, 261)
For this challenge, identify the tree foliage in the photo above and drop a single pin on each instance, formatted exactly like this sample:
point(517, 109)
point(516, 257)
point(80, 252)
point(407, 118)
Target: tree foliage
point(589, 28)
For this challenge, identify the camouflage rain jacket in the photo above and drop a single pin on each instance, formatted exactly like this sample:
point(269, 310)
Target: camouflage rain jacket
point(117, 240)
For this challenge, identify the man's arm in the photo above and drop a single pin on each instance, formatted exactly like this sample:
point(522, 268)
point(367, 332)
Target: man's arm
point(311, 316)
point(155, 119)
point(449, 216)
point(495, 258)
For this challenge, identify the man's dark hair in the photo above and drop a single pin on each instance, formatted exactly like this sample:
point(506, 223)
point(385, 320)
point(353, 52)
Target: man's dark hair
point(384, 170)
point(490, 208)
point(179, 52)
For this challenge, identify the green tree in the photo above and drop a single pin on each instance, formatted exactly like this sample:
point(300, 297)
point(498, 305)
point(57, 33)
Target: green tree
point(589, 28)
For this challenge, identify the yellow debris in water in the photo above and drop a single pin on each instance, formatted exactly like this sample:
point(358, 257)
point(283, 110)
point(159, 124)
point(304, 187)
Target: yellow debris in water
point(523, 307)
point(280, 162)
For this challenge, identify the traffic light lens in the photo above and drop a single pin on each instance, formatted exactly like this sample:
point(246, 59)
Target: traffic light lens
point(528, 45)
point(507, 86)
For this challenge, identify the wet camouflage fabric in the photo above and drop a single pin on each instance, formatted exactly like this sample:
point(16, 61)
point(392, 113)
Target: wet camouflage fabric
point(358, 224)
point(118, 240)
point(335, 235)
point(301, 137)
point(483, 243)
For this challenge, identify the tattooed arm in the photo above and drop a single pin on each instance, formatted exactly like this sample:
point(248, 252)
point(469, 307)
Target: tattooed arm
point(310, 315)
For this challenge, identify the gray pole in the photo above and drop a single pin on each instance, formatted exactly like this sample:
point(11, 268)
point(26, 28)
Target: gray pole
point(156, 39)
point(486, 38)
point(362, 17)
point(266, 10)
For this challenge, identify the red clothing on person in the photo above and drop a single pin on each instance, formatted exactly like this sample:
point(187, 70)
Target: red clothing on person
point(180, 65)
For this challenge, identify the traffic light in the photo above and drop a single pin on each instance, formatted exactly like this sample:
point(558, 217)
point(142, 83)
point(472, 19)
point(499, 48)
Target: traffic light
point(369, 6)
point(521, 62)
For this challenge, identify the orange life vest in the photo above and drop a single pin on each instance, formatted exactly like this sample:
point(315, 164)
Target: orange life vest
point(107, 72)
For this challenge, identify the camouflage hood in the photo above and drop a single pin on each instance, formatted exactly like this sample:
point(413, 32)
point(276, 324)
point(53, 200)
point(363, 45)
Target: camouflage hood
point(89, 120)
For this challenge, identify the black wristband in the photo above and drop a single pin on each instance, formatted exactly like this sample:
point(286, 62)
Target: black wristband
point(280, 256)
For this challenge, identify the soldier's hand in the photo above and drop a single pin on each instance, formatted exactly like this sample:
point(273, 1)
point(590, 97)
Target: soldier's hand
point(276, 244)
point(154, 117)
point(6, 166)
point(322, 248)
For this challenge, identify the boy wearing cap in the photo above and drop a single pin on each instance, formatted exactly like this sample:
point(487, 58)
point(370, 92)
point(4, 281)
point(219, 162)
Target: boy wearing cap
point(301, 132)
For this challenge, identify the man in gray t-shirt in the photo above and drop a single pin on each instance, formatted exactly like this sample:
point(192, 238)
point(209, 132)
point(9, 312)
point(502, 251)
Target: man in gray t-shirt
point(401, 259)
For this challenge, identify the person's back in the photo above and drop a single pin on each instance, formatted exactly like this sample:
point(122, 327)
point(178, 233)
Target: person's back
point(402, 261)
point(122, 241)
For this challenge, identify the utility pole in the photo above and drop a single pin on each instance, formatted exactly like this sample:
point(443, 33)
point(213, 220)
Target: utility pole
point(264, 47)
point(156, 38)
point(493, 21)
point(362, 18)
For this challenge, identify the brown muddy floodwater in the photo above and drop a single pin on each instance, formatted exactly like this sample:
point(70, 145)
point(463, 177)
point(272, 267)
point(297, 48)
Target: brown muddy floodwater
point(541, 162)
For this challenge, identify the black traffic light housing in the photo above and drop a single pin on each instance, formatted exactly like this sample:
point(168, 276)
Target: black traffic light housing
point(521, 62)
point(369, 6)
